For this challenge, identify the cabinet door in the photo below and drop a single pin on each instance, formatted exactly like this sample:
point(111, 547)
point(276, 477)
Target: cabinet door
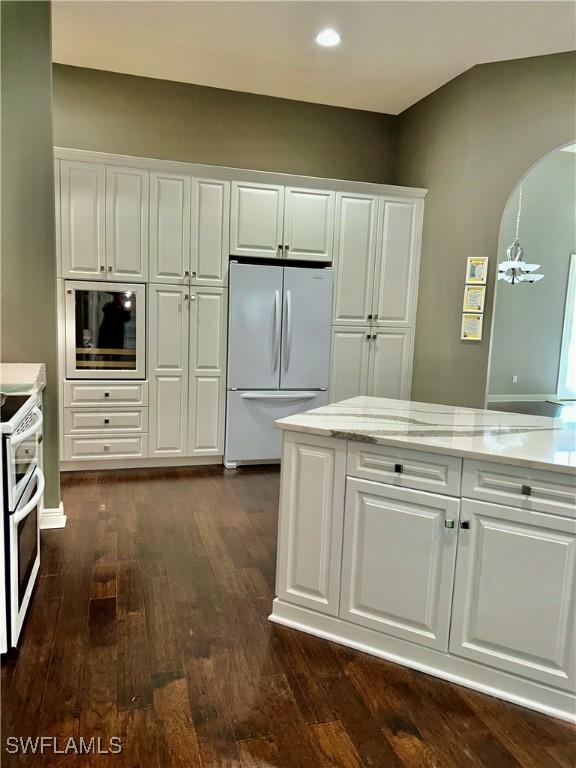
point(127, 203)
point(398, 257)
point(309, 224)
point(390, 366)
point(349, 369)
point(515, 593)
point(398, 561)
point(210, 232)
point(310, 526)
point(355, 249)
point(256, 220)
point(169, 228)
point(82, 195)
point(207, 367)
point(168, 339)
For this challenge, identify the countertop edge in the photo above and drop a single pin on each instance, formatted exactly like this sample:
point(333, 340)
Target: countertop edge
point(493, 458)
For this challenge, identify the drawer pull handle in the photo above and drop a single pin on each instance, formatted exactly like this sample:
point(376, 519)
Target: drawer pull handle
point(106, 394)
point(465, 525)
point(399, 468)
point(448, 523)
point(526, 490)
point(106, 421)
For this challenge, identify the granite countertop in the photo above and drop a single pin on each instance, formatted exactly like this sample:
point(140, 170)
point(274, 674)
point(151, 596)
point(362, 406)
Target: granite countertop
point(539, 442)
point(22, 378)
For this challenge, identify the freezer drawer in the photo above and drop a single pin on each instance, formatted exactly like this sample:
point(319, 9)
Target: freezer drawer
point(250, 431)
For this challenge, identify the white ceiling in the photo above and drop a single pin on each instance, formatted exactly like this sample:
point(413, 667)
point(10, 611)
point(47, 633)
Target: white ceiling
point(392, 53)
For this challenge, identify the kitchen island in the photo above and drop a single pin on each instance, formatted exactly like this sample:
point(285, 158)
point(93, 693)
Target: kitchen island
point(436, 537)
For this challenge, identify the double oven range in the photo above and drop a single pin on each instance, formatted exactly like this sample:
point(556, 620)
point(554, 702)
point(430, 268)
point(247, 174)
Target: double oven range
point(22, 499)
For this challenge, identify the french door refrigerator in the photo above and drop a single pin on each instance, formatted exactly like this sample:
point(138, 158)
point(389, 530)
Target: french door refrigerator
point(278, 354)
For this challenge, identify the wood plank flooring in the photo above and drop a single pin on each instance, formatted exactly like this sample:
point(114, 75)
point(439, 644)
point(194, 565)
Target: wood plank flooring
point(150, 624)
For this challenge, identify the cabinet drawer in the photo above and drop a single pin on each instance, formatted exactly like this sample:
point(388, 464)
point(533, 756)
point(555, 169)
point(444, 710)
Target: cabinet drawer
point(531, 489)
point(405, 468)
point(110, 447)
point(104, 420)
point(108, 393)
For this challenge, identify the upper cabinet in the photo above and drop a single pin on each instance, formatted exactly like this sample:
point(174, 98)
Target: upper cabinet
point(170, 217)
point(210, 242)
point(270, 221)
point(256, 220)
point(355, 252)
point(377, 258)
point(308, 224)
point(82, 210)
point(127, 200)
point(395, 282)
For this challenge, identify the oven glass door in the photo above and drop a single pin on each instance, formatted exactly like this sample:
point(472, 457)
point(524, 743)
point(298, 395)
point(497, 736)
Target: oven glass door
point(24, 551)
point(105, 330)
point(23, 451)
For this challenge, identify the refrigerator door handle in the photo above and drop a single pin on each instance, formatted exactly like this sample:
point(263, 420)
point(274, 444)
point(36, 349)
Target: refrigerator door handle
point(277, 326)
point(288, 344)
point(279, 396)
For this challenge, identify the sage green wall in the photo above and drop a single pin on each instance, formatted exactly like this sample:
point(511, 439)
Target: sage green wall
point(469, 143)
point(528, 319)
point(28, 269)
point(111, 112)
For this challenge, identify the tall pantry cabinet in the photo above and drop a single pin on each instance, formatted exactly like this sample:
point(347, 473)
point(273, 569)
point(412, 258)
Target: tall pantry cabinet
point(377, 253)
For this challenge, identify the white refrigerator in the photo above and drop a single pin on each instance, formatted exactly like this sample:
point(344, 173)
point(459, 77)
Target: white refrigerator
point(278, 354)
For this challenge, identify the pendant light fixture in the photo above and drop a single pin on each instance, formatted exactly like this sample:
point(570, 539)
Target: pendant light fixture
point(515, 270)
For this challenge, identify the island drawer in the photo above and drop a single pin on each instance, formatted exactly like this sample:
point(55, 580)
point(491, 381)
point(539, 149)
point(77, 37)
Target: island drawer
point(405, 468)
point(83, 394)
point(104, 420)
point(91, 447)
point(531, 489)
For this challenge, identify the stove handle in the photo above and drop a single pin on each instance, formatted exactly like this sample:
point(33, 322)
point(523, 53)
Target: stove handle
point(27, 508)
point(34, 429)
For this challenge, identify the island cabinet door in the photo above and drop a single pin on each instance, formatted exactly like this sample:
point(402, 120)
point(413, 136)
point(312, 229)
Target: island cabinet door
point(398, 561)
point(311, 517)
point(515, 590)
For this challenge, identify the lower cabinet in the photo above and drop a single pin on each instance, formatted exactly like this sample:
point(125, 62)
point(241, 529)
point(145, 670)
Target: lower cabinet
point(311, 515)
point(398, 561)
point(515, 592)
point(370, 361)
point(187, 365)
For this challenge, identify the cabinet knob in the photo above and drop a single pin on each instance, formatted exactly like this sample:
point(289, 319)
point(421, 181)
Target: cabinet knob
point(193, 274)
point(465, 525)
point(368, 336)
point(286, 249)
point(373, 337)
point(448, 523)
point(376, 317)
point(369, 317)
point(526, 490)
point(109, 269)
point(399, 468)
point(106, 394)
point(106, 447)
point(102, 267)
point(186, 273)
point(106, 421)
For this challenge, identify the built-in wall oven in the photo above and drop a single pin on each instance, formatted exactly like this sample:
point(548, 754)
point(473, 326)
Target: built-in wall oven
point(22, 501)
point(105, 330)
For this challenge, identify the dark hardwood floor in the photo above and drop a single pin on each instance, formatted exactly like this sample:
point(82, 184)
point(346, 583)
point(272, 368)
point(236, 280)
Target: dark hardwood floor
point(150, 624)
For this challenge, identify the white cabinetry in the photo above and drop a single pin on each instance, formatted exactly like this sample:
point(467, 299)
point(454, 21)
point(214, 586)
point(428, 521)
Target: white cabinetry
point(398, 561)
point(367, 360)
point(271, 221)
point(311, 514)
point(210, 243)
point(170, 214)
point(207, 371)
point(82, 208)
point(168, 360)
point(515, 592)
point(127, 203)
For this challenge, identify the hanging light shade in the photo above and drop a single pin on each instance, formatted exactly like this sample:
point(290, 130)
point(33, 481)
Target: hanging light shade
point(515, 270)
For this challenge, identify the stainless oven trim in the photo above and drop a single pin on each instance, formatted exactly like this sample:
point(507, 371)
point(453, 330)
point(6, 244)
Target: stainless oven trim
point(30, 500)
point(70, 286)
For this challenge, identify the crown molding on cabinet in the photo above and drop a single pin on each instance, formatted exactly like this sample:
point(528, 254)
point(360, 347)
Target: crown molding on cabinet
point(238, 174)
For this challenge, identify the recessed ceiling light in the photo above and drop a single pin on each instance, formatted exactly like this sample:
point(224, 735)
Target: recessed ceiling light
point(328, 38)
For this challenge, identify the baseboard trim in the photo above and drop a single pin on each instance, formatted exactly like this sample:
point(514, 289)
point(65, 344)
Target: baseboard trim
point(81, 465)
point(53, 517)
point(520, 398)
point(550, 701)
